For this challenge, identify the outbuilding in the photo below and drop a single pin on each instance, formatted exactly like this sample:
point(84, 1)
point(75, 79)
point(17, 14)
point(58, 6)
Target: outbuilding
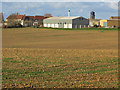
point(66, 22)
point(103, 23)
point(114, 21)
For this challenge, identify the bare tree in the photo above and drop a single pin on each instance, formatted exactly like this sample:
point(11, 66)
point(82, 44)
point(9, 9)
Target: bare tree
point(12, 21)
point(47, 15)
point(12, 16)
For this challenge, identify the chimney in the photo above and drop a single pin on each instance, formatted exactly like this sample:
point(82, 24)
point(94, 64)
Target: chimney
point(68, 13)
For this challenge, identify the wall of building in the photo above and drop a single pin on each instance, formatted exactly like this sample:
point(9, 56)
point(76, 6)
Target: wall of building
point(102, 23)
point(80, 22)
point(112, 23)
point(58, 23)
point(28, 23)
point(66, 23)
point(93, 22)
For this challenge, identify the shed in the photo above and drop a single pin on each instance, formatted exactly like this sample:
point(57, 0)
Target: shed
point(114, 21)
point(66, 22)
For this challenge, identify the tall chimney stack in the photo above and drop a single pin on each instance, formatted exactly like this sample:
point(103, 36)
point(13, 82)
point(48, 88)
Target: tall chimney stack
point(68, 13)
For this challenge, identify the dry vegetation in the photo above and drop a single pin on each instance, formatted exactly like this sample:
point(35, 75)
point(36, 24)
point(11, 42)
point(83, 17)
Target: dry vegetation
point(59, 66)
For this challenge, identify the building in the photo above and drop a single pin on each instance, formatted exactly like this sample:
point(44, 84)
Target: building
point(114, 21)
point(20, 18)
point(103, 23)
point(38, 20)
point(92, 20)
point(66, 22)
point(26, 21)
point(34, 21)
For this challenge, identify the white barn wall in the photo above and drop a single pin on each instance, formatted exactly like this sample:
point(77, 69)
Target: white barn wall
point(69, 25)
point(52, 25)
point(65, 25)
point(66, 22)
point(48, 25)
point(56, 25)
point(45, 25)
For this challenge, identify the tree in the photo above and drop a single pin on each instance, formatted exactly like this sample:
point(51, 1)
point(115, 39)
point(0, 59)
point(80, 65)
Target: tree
point(12, 21)
point(47, 15)
point(12, 16)
point(1, 18)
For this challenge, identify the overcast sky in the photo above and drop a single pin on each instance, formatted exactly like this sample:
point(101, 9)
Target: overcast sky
point(103, 10)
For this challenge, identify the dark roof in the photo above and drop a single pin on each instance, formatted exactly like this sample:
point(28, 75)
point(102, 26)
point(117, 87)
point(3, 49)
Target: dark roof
point(31, 17)
point(39, 17)
point(36, 17)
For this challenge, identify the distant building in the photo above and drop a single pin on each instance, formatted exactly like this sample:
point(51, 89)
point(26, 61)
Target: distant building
point(103, 23)
point(92, 20)
point(20, 18)
point(26, 21)
point(114, 21)
point(92, 15)
point(66, 22)
point(38, 20)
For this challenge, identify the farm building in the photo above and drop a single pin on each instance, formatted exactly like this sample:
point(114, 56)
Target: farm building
point(24, 20)
point(114, 21)
point(92, 20)
point(34, 20)
point(103, 23)
point(66, 22)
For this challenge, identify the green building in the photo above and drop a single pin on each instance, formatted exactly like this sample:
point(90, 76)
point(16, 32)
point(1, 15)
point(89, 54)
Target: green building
point(66, 22)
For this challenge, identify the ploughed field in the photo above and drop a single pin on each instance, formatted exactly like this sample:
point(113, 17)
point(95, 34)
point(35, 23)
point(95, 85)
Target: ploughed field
point(40, 58)
point(62, 39)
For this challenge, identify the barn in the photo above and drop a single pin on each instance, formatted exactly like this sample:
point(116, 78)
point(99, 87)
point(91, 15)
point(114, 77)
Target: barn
point(66, 22)
point(114, 21)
